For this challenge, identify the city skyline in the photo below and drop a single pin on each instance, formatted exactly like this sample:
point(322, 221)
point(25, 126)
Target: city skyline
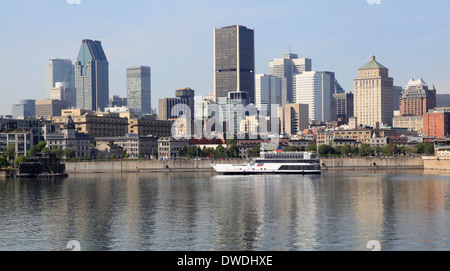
point(137, 34)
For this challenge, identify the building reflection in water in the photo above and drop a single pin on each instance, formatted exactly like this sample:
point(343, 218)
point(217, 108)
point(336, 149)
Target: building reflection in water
point(198, 211)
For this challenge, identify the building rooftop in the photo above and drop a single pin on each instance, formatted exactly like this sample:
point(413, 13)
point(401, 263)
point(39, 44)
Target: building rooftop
point(373, 64)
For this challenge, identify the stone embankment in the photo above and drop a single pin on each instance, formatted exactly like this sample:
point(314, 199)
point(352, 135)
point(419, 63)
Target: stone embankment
point(205, 165)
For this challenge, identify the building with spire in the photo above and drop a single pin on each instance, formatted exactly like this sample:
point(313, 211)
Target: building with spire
point(373, 94)
point(91, 77)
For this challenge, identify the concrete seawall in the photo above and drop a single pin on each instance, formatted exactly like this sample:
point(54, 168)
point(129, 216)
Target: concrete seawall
point(205, 165)
point(436, 163)
point(144, 165)
point(401, 162)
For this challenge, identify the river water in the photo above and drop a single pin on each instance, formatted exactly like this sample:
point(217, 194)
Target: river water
point(343, 211)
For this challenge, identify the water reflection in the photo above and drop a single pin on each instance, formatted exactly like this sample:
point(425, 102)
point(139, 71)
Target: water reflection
point(404, 210)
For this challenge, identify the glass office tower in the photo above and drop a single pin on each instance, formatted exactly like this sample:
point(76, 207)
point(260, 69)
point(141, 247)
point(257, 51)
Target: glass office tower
point(234, 61)
point(59, 70)
point(91, 77)
point(139, 88)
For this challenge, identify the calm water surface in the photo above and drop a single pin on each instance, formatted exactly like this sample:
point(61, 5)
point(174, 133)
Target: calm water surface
point(403, 210)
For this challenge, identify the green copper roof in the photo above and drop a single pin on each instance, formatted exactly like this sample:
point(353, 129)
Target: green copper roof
point(372, 65)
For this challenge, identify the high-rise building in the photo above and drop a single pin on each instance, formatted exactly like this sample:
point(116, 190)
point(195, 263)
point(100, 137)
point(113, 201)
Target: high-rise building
point(26, 108)
point(167, 106)
point(373, 94)
point(60, 70)
point(50, 108)
point(315, 89)
point(91, 77)
point(268, 89)
point(343, 105)
point(62, 91)
point(234, 61)
point(294, 118)
point(417, 98)
point(288, 66)
point(396, 96)
point(139, 88)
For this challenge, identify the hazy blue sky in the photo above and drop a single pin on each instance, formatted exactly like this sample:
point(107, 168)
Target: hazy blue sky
point(175, 38)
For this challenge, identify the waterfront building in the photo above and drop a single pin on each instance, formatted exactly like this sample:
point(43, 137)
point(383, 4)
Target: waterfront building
point(360, 135)
point(414, 123)
point(25, 109)
point(59, 71)
point(234, 61)
point(139, 88)
point(62, 91)
point(169, 148)
point(316, 89)
point(373, 94)
point(91, 76)
point(50, 108)
point(344, 106)
point(268, 89)
point(436, 123)
point(22, 142)
point(184, 97)
point(107, 151)
point(417, 98)
point(70, 139)
point(96, 124)
point(33, 125)
point(148, 125)
point(286, 67)
point(294, 118)
point(134, 145)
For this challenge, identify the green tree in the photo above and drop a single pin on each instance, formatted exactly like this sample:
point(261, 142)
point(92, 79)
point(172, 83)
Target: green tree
point(10, 152)
point(192, 151)
point(312, 147)
point(3, 162)
point(58, 151)
point(208, 152)
point(99, 155)
point(113, 156)
point(390, 149)
point(424, 148)
point(45, 150)
point(233, 151)
point(19, 160)
point(346, 150)
point(183, 152)
point(69, 153)
point(405, 150)
point(365, 150)
point(220, 152)
point(37, 148)
point(255, 151)
point(326, 150)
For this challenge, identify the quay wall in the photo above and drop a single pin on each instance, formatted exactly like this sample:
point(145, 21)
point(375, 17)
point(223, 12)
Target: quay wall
point(436, 163)
point(400, 162)
point(144, 165)
point(205, 165)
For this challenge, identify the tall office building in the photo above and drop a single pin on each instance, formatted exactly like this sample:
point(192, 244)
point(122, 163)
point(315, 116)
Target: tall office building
point(344, 106)
point(62, 91)
point(234, 61)
point(60, 70)
point(316, 89)
point(91, 77)
point(139, 88)
point(373, 94)
point(288, 66)
point(184, 96)
point(268, 90)
point(294, 118)
point(26, 108)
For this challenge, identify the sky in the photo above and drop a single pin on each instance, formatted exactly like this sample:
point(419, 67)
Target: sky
point(175, 38)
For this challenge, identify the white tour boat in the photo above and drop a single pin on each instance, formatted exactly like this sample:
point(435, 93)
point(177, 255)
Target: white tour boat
point(275, 163)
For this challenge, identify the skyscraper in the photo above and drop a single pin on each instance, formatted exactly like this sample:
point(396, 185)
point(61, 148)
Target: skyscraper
point(234, 61)
point(315, 89)
point(139, 88)
point(288, 66)
point(60, 70)
point(268, 91)
point(184, 96)
point(91, 77)
point(373, 94)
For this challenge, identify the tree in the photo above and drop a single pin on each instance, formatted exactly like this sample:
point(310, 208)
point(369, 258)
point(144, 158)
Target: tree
point(58, 151)
point(183, 152)
point(19, 160)
point(255, 151)
point(10, 152)
point(390, 149)
point(99, 155)
point(326, 150)
point(69, 153)
point(113, 156)
point(346, 149)
point(220, 152)
point(3, 162)
point(424, 148)
point(312, 147)
point(365, 150)
point(233, 151)
point(37, 148)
